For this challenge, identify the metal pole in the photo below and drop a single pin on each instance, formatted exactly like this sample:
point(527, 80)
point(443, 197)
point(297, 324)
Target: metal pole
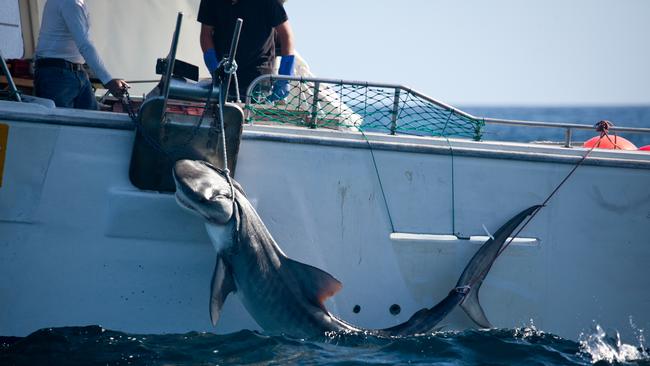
point(171, 58)
point(232, 53)
point(393, 122)
point(567, 138)
point(314, 105)
point(10, 81)
point(223, 97)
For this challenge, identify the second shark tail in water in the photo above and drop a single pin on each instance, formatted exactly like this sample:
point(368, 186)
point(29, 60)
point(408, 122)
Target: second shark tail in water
point(466, 291)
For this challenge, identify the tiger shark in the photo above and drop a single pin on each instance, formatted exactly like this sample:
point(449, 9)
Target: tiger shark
point(286, 296)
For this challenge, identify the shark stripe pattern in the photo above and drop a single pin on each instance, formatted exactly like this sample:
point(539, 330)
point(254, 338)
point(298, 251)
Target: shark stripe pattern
point(286, 296)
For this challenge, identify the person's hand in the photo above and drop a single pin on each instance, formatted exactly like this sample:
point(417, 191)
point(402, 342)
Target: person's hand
point(279, 91)
point(280, 88)
point(117, 87)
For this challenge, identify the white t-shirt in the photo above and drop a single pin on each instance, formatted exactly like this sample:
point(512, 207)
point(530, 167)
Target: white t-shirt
point(65, 34)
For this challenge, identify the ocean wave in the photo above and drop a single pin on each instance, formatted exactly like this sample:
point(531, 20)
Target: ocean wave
point(94, 345)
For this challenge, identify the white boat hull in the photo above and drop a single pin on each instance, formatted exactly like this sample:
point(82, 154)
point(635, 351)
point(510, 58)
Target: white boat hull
point(79, 244)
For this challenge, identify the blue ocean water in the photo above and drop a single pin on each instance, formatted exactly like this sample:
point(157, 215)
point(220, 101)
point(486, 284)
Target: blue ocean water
point(94, 345)
point(627, 116)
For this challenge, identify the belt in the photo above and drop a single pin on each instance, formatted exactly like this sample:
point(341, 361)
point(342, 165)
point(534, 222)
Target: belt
point(58, 62)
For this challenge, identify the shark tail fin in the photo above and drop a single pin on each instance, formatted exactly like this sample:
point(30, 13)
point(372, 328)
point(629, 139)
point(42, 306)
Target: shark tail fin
point(473, 309)
point(480, 264)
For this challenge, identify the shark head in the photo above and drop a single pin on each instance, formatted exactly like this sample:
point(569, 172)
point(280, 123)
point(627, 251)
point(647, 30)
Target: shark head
point(204, 190)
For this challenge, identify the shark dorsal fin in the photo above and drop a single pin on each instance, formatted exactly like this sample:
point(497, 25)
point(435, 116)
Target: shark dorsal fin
point(315, 283)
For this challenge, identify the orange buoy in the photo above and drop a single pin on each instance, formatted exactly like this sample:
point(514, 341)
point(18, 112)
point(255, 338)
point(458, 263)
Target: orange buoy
point(610, 142)
point(645, 148)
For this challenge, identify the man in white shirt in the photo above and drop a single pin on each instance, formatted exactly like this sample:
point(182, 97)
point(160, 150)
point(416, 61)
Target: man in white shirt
point(63, 47)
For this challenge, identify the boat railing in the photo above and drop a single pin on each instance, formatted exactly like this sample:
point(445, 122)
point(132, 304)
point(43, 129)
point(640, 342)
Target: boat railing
point(568, 128)
point(368, 106)
point(356, 105)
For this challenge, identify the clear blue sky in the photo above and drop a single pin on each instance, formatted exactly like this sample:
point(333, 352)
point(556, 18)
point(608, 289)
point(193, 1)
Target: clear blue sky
point(521, 52)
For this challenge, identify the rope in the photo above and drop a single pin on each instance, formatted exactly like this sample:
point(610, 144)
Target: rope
point(523, 226)
point(238, 100)
point(381, 186)
point(602, 127)
point(223, 134)
point(128, 105)
point(575, 167)
point(603, 133)
point(229, 68)
point(453, 186)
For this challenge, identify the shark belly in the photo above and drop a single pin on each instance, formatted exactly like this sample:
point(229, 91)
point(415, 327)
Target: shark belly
point(221, 236)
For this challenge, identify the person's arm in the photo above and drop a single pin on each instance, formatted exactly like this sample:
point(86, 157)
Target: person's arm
point(280, 88)
point(207, 46)
point(77, 23)
point(285, 37)
point(206, 37)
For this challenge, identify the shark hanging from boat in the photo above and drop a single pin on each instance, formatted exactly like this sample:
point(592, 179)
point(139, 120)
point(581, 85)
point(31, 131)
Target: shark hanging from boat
point(284, 295)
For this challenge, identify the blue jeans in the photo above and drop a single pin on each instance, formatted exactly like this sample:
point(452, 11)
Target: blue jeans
point(67, 88)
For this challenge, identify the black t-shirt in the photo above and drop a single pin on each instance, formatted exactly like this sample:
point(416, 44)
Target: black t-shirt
point(257, 39)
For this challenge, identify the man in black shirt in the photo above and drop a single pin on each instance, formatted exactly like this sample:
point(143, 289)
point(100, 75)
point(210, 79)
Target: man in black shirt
point(256, 51)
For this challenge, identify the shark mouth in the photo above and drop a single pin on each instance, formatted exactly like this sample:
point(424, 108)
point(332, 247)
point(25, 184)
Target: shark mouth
point(183, 203)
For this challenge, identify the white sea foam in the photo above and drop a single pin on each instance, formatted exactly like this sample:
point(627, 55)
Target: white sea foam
point(603, 347)
point(528, 330)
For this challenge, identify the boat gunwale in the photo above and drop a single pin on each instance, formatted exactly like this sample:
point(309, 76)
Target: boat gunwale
point(456, 147)
point(349, 139)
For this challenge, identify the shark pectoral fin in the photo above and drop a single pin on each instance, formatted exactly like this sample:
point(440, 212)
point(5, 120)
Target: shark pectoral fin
point(222, 284)
point(315, 283)
point(473, 309)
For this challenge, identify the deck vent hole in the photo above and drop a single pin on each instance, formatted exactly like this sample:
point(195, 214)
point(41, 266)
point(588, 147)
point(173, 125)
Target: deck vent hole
point(356, 309)
point(395, 309)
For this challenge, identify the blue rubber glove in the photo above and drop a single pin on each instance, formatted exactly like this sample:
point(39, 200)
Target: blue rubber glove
point(211, 60)
point(281, 87)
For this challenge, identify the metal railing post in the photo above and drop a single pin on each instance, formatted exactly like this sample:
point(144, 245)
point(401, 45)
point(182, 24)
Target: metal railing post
point(567, 137)
point(314, 105)
point(393, 122)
